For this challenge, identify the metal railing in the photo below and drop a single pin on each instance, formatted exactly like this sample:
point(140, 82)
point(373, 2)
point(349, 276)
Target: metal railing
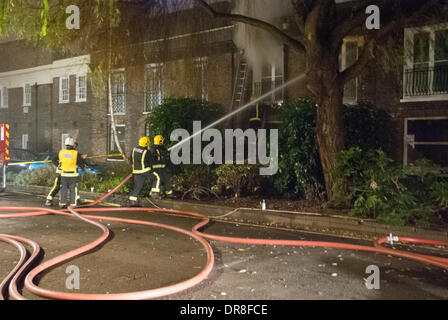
point(267, 85)
point(426, 81)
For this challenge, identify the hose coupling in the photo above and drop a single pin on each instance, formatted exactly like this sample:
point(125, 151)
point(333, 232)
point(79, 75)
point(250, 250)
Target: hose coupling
point(391, 239)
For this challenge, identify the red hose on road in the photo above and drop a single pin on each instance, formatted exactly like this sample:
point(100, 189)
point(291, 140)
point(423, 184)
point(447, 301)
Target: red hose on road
point(12, 279)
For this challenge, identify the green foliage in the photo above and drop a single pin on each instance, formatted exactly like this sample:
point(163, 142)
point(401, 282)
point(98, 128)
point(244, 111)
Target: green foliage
point(438, 194)
point(300, 172)
point(195, 182)
point(179, 113)
point(42, 176)
point(377, 189)
point(237, 180)
point(88, 181)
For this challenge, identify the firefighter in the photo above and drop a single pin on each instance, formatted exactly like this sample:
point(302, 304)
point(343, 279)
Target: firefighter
point(161, 184)
point(57, 182)
point(141, 160)
point(69, 160)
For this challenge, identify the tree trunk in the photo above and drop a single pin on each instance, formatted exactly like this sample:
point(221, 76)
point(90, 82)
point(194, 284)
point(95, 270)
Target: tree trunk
point(328, 91)
point(330, 136)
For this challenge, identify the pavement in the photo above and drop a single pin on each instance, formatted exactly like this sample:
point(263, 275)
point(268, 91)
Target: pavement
point(139, 257)
point(341, 226)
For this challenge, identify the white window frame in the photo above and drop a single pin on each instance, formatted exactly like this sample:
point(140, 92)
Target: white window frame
point(202, 64)
point(153, 66)
point(61, 91)
point(64, 136)
point(27, 95)
point(4, 97)
point(25, 140)
point(78, 88)
point(121, 70)
point(276, 73)
point(408, 48)
point(406, 140)
point(360, 41)
point(112, 139)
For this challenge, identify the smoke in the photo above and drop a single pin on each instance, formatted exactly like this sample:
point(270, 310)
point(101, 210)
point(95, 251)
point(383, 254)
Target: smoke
point(260, 47)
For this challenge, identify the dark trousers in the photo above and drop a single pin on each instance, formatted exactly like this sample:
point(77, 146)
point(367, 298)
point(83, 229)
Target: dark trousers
point(69, 191)
point(139, 181)
point(162, 180)
point(57, 187)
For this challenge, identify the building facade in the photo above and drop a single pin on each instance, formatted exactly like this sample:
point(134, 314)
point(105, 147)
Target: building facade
point(45, 97)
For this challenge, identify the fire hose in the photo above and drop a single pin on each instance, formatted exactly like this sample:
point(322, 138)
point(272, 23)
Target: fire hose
point(20, 271)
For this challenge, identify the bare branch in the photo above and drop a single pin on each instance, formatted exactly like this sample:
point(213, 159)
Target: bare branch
point(287, 39)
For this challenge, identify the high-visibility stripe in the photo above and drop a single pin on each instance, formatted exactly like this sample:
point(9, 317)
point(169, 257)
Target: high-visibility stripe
point(158, 166)
point(49, 197)
point(157, 188)
point(69, 174)
point(133, 198)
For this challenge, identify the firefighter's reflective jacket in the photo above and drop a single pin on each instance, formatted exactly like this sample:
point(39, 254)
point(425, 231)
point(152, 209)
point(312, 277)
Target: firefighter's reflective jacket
point(141, 160)
point(68, 162)
point(160, 157)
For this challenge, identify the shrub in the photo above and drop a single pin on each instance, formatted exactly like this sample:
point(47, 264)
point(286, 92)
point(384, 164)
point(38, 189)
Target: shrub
point(195, 182)
point(377, 189)
point(175, 113)
point(300, 171)
point(237, 180)
point(42, 176)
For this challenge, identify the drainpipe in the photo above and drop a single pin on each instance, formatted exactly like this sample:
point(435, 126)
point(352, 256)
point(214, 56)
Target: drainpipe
point(36, 137)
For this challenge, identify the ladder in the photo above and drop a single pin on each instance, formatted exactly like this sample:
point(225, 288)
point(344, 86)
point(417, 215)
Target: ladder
point(240, 84)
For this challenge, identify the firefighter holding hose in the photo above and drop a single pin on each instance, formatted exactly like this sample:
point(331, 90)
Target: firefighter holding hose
point(57, 182)
point(141, 160)
point(161, 184)
point(69, 161)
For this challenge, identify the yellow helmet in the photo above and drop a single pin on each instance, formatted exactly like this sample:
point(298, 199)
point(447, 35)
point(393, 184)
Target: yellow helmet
point(158, 140)
point(144, 142)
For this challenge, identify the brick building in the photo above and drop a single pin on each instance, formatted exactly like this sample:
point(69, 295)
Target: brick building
point(45, 96)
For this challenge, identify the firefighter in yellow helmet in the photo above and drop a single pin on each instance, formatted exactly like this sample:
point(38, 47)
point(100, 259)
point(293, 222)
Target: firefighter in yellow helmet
point(69, 161)
point(161, 185)
point(141, 160)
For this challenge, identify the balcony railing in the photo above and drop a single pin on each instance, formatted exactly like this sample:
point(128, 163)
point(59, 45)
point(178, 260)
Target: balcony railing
point(426, 81)
point(267, 85)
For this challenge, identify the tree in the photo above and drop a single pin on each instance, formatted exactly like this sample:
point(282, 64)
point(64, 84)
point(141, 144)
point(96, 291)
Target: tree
point(107, 28)
point(321, 27)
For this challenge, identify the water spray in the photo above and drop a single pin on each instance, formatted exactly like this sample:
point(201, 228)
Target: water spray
point(231, 114)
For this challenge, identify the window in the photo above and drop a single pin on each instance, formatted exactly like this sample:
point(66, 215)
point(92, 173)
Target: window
point(153, 86)
point(3, 97)
point(121, 130)
point(27, 95)
point(426, 138)
point(64, 137)
point(64, 90)
point(271, 78)
point(348, 57)
point(200, 78)
point(118, 93)
point(426, 69)
point(24, 141)
point(81, 88)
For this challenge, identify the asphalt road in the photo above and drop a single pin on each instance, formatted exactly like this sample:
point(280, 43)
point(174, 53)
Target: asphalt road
point(139, 258)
